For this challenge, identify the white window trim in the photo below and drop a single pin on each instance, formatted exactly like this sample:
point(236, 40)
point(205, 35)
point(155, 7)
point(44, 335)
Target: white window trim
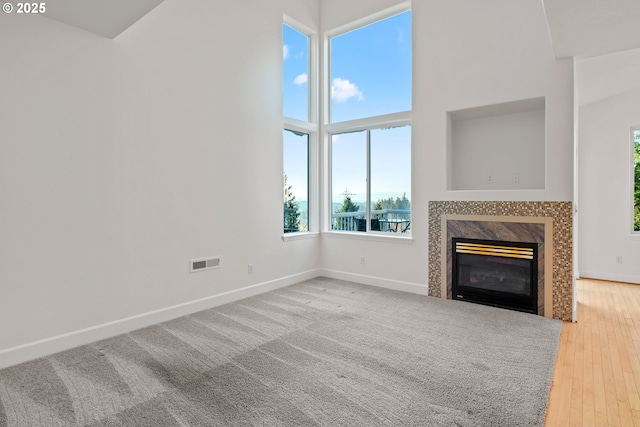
point(362, 125)
point(368, 123)
point(353, 25)
point(372, 236)
point(402, 118)
point(300, 235)
point(312, 67)
point(311, 129)
point(404, 6)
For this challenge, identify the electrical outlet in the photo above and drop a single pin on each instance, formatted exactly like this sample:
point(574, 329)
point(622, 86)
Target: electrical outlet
point(362, 260)
point(250, 269)
point(619, 259)
point(515, 178)
point(489, 179)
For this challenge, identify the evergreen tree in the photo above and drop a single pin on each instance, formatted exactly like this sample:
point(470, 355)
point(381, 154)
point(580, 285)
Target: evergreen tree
point(348, 205)
point(377, 207)
point(403, 203)
point(291, 209)
point(636, 192)
point(399, 203)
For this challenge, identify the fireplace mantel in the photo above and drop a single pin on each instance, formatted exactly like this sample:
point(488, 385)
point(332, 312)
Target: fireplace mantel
point(555, 299)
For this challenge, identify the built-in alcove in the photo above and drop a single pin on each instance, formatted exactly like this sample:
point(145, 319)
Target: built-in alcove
point(497, 147)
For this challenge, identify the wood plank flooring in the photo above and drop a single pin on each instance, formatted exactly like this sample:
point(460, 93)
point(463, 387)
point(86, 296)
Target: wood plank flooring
point(597, 375)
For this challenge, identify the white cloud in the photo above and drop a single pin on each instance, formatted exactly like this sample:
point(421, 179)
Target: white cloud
point(285, 51)
point(300, 79)
point(342, 90)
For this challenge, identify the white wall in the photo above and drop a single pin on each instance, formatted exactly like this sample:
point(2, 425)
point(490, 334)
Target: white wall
point(498, 147)
point(122, 159)
point(465, 54)
point(609, 90)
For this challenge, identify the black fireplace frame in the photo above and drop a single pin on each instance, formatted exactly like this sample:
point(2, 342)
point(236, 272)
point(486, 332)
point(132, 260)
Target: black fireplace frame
point(508, 300)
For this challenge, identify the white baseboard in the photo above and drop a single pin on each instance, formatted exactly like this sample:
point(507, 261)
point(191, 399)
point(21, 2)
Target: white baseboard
point(33, 350)
point(397, 285)
point(613, 277)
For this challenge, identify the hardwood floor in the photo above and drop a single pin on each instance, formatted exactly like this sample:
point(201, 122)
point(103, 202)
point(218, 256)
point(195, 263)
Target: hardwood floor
point(596, 381)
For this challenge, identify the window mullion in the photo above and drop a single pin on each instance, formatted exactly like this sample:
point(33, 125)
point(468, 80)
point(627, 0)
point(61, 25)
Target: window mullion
point(368, 195)
point(310, 76)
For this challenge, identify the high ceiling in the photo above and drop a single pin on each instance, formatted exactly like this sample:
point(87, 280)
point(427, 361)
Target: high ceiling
point(105, 17)
point(583, 28)
point(578, 28)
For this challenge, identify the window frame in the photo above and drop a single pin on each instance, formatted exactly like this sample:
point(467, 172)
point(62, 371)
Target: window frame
point(310, 127)
point(634, 129)
point(284, 138)
point(367, 124)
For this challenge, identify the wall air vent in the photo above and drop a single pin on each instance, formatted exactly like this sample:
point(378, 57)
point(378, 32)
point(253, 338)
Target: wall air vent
point(202, 264)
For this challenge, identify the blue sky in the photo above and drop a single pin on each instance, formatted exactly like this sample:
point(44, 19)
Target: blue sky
point(370, 75)
point(390, 164)
point(371, 70)
point(295, 52)
point(295, 163)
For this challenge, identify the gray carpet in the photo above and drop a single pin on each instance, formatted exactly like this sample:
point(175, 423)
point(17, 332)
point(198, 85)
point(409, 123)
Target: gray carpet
point(322, 352)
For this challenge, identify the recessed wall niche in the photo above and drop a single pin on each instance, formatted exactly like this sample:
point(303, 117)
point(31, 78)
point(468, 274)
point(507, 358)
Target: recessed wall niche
point(497, 147)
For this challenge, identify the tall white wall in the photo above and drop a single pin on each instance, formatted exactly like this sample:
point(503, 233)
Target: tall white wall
point(609, 90)
point(465, 54)
point(122, 159)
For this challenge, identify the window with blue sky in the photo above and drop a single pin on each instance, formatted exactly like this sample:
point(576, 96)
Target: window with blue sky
point(296, 181)
point(370, 80)
point(295, 54)
point(296, 138)
point(371, 69)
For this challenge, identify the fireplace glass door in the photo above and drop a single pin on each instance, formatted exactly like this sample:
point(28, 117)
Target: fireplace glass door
point(502, 274)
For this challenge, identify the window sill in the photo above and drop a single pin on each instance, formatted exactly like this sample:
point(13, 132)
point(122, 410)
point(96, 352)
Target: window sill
point(371, 237)
point(300, 236)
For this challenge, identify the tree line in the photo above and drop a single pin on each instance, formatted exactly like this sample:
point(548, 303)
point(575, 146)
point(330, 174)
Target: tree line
point(636, 180)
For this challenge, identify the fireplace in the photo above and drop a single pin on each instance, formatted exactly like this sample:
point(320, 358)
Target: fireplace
point(498, 273)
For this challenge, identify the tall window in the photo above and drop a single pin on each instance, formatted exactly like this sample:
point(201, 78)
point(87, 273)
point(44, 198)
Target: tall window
point(635, 134)
point(295, 54)
point(298, 128)
point(370, 127)
point(296, 181)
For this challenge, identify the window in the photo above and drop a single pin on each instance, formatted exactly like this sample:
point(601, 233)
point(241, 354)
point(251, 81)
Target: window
point(370, 127)
point(295, 54)
point(635, 141)
point(296, 181)
point(371, 69)
point(299, 133)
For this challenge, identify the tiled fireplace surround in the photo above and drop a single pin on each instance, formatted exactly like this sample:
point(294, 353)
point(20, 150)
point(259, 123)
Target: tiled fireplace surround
point(549, 224)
